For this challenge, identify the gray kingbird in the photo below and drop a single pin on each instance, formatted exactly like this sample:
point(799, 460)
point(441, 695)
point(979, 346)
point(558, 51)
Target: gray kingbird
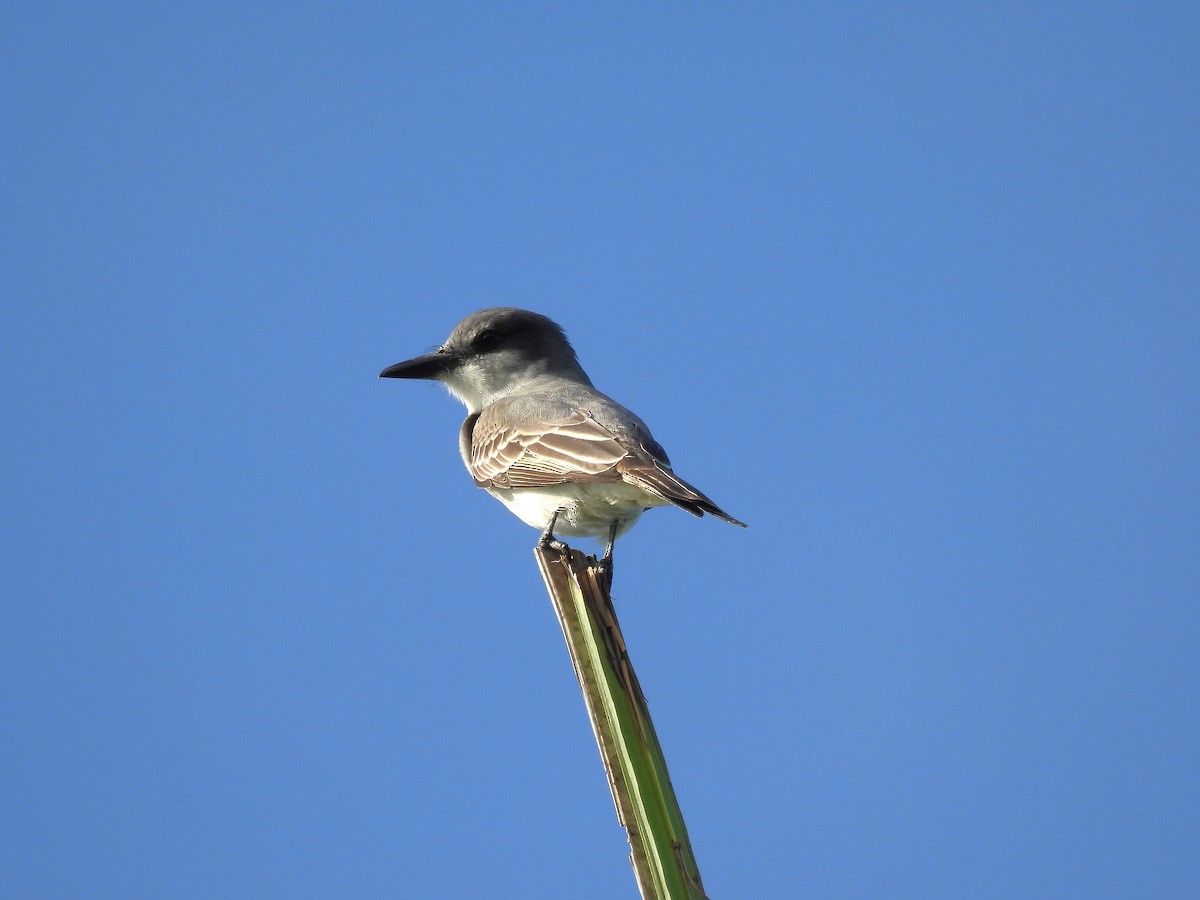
point(540, 439)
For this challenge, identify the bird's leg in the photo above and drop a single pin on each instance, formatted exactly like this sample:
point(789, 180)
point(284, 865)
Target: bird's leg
point(548, 539)
point(605, 565)
point(612, 539)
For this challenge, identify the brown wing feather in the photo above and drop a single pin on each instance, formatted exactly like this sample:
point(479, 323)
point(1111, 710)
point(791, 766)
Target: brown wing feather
point(574, 448)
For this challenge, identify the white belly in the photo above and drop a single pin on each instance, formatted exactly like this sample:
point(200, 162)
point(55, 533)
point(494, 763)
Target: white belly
point(588, 510)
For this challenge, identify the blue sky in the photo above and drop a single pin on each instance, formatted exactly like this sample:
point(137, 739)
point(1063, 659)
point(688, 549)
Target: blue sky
point(910, 289)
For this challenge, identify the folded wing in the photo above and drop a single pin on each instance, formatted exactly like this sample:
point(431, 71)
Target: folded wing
point(504, 450)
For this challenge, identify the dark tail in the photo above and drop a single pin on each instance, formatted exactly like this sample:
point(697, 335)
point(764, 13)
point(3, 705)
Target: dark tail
point(666, 484)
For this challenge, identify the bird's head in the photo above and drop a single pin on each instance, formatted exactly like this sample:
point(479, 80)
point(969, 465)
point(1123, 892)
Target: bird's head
point(492, 352)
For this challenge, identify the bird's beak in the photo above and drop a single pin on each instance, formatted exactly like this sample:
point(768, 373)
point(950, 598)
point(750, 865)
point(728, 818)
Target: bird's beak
point(431, 365)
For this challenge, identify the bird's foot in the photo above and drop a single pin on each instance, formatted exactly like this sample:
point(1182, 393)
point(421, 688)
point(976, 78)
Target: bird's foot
point(604, 565)
point(548, 541)
point(604, 569)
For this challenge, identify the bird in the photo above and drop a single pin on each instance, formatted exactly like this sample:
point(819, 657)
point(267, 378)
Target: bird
point(563, 457)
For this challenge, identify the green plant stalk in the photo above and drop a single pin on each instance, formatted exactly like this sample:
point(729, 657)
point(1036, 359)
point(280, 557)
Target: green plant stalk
point(662, 857)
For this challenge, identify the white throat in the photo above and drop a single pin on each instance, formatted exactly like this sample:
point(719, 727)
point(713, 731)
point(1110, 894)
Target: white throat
point(476, 388)
point(478, 383)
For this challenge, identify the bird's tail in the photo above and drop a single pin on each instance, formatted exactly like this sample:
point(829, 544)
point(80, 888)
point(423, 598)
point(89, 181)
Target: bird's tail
point(664, 483)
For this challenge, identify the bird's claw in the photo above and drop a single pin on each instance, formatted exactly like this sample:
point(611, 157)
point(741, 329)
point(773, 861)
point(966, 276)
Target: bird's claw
point(548, 541)
point(604, 565)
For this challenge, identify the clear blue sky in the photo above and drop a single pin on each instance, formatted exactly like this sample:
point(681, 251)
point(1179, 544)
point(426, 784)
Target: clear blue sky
point(912, 289)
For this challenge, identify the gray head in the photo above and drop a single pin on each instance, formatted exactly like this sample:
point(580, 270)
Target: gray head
point(491, 352)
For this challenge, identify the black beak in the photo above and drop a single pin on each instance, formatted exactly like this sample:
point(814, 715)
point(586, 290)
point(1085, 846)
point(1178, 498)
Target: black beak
point(431, 365)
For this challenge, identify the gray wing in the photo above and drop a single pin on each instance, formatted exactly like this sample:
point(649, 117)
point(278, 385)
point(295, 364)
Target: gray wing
point(507, 446)
point(528, 454)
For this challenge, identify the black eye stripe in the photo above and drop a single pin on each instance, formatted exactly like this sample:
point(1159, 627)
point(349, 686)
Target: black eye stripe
point(488, 339)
